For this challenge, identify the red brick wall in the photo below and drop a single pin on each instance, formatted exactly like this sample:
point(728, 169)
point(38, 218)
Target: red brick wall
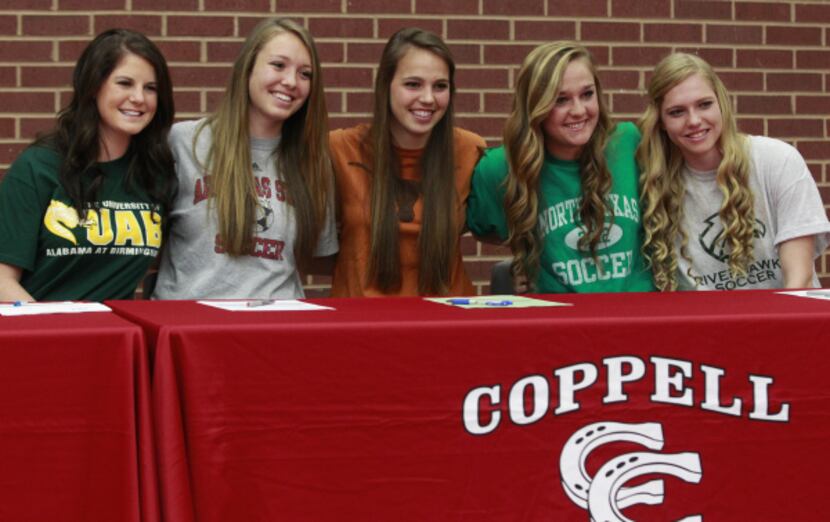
point(772, 55)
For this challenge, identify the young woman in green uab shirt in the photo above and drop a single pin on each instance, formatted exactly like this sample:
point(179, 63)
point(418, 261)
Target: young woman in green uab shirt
point(81, 209)
point(562, 190)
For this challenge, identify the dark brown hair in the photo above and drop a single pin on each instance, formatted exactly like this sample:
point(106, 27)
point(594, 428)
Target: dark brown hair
point(76, 134)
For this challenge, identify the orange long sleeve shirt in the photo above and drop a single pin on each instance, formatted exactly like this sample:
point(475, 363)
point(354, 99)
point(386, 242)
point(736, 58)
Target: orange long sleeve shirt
point(354, 208)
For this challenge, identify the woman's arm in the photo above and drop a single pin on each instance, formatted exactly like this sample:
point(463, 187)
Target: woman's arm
point(797, 261)
point(10, 289)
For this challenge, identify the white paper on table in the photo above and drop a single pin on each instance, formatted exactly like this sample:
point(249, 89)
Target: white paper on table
point(818, 293)
point(62, 307)
point(253, 305)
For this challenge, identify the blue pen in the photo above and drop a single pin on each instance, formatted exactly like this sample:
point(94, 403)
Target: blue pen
point(499, 303)
point(458, 301)
point(18, 303)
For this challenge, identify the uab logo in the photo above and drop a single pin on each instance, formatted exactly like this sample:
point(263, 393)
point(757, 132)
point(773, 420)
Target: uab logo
point(604, 494)
point(713, 242)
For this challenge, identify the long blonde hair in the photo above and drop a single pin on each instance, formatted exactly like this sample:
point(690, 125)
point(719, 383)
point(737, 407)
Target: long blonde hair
point(303, 160)
point(537, 88)
point(662, 189)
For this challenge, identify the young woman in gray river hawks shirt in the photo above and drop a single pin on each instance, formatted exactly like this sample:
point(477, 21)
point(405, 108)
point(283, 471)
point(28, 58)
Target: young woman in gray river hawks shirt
point(721, 210)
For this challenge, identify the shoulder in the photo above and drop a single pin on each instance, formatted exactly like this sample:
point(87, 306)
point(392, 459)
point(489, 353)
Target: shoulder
point(775, 158)
point(35, 161)
point(182, 145)
point(626, 129)
point(351, 137)
point(621, 148)
point(778, 170)
point(494, 157)
point(467, 139)
point(184, 131)
point(467, 150)
point(492, 168)
point(34, 175)
point(185, 128)
point(40, 154)
point(770, 148)
point(624, 134)
point(348, 148)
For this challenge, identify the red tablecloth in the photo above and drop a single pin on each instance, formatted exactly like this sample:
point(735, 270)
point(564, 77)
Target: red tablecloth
point(75, 426)
point(628, 406)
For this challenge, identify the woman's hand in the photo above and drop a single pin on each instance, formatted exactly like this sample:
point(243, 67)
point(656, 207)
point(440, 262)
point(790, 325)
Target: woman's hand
point(10, 289)
point(520, 285)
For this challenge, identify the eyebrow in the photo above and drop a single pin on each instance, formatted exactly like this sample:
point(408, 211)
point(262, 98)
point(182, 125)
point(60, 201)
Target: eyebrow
point(421, 78)
point(705, 98)
point(582, 89)
point(127, 77)
point(287, 59)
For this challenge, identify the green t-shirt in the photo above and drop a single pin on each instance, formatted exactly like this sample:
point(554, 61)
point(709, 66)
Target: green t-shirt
point(63, 257)
point(564, 268)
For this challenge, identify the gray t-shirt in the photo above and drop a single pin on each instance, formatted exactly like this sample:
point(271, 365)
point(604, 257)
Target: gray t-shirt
point(194, 264)
point(787, 206)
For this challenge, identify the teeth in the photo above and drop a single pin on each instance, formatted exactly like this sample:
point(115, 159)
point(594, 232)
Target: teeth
point(422, 114)
point(697, 134)
point(284, 97)
point(130, 113)
point(575, 126)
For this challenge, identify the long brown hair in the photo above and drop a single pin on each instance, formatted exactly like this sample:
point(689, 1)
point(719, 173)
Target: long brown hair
point(662, 184)
point(537, 88)
point(303, 160)
point(439, 231)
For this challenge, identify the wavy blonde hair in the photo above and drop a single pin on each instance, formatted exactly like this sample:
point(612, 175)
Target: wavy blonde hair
point(537, 88)
point(303, 161)
point(662, 188)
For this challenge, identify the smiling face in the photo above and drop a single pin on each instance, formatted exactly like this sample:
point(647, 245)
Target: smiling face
point(418, 97)
point(278, 85)
point(126, 103)
point(573, 118)
point(691, 116)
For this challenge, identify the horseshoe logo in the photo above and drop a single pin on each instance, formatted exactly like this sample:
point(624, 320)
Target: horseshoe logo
point(575, 478)
point(619, 470)
point(604, 495)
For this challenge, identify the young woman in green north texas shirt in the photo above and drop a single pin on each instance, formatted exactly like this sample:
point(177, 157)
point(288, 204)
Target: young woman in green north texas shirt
point(562, 190)
point(81, 209)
